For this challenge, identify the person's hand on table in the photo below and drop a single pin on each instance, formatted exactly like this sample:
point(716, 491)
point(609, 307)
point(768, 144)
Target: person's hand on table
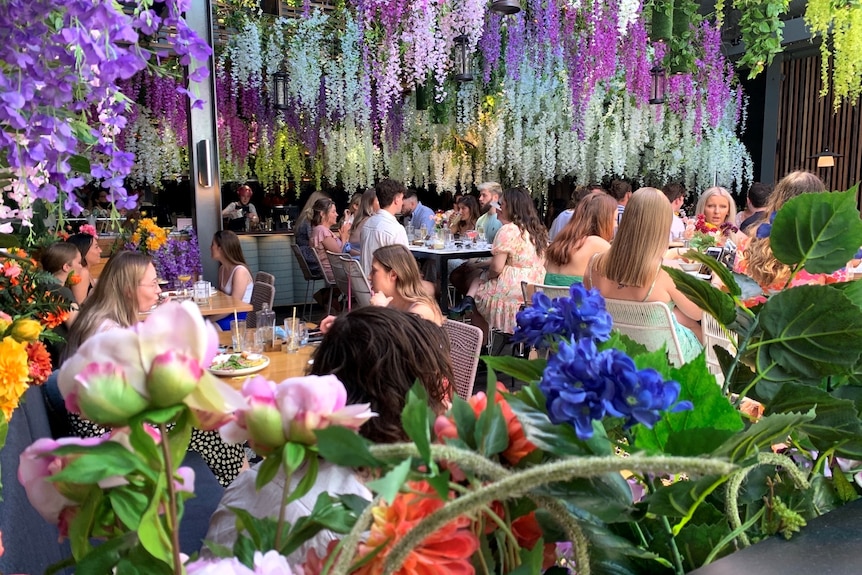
point(380, 300)
point(326, 323)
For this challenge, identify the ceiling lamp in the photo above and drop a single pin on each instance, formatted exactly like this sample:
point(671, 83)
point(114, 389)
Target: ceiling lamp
point(506, 6)
point(463, 73)
point(279, 91)
point(658, 85)
point(826, 159)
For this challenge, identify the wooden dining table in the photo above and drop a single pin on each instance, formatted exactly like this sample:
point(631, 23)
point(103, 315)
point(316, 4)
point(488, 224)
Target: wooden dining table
point(219, 304)
point(282, 365)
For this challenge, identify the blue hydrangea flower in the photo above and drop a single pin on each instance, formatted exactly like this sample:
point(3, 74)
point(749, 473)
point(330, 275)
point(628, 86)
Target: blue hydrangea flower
point(582, 385)
point(582, 315)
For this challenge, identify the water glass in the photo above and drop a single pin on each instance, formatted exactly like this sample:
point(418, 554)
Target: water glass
point(237, 334)
point(202, 292)
point(253, 341)
point(293, 333)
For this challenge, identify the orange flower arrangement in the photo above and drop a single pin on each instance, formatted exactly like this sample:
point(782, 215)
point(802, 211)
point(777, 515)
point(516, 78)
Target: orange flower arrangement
point(447, 551)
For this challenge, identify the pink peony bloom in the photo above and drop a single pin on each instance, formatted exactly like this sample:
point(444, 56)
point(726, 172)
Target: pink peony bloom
point(229, 566)
point(292, 410)
point(162, 359)
point(36, 465)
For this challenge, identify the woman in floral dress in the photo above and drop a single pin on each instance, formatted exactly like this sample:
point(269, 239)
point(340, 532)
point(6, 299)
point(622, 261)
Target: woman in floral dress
point(518, 255)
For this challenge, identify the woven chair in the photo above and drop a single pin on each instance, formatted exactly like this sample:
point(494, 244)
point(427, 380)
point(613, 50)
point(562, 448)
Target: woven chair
point(716, 335)
point(465, 344)
point(648, 323)
point(339, 274)
point(551, 291)
point(310, 278)
point(328, 278)
point(265, 277)
point(261, 294)
point(360, 289)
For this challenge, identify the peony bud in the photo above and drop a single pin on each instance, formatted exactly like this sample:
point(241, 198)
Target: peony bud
point(171, 378)
point(105, 396)
point(25, 330)
point(259, 421)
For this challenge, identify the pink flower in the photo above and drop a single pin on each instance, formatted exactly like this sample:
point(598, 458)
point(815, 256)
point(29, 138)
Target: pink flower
point(162, 359)
point(36, 465)
point(11, 270)
point(271, 563)
point(229, 566)
point(291, 411)
point(88, 229)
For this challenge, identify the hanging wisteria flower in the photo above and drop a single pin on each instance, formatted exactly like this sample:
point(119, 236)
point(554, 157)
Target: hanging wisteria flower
point(582, 315)
point(582, 385)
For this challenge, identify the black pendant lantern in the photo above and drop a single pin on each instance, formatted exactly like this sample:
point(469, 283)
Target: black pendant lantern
point(826, 159)
point(279, 91)
point(658, 85)
point(506, 6)
point(463, 73)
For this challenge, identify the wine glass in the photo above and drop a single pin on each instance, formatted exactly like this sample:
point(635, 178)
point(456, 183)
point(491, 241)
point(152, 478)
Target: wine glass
point(472, 235)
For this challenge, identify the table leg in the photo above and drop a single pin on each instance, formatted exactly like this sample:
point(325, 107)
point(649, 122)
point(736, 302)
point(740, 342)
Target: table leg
point(443, 270)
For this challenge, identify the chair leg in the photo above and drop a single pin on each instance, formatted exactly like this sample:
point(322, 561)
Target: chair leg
point(329, 303)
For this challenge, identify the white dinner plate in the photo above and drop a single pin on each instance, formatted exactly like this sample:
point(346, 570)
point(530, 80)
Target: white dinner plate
point(223, 357)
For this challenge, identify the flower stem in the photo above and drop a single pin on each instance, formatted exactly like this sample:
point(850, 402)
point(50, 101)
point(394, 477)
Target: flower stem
point(173, 521)
point(352, 539)
point(740, 350)
point(663, 521)
point(282, 512)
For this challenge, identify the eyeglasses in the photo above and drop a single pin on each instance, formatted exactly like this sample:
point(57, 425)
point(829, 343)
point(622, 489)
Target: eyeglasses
point(154, 283)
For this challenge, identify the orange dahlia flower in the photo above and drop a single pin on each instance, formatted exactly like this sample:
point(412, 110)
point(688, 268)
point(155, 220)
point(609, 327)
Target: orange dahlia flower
point(40, 362)
point(444, 552)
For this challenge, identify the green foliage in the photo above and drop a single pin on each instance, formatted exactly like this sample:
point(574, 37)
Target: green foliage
point(840, 22)
point(761, 29)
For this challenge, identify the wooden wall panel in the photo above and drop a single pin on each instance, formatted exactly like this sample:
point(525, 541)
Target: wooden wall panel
point(807, 124)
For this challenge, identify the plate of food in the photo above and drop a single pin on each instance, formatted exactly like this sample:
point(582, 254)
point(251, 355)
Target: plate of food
point(238, 363)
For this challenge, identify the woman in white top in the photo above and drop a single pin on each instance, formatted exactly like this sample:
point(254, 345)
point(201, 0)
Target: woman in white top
point(234, 277)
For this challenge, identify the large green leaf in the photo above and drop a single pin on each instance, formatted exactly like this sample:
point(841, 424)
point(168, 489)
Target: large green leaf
point(560, 440)
point(766, 431)
point(415, 420)
point(344, 447)
point(836, 421)
point(519, 368)
point(820, 231)
point(389, 485)
point(718, 268)
point(701, 430)
point(708, 298)
point(99, 462)
point(811, 331)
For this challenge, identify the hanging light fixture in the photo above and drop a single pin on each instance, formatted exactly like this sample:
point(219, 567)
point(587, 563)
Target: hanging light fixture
point(506, 6)
point(279, 91)
point(825, 159)
point(658, 85)
point(463, 73)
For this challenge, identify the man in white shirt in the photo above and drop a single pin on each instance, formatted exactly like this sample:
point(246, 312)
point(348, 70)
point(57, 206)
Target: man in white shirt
point(382, 229)
point(676, 196)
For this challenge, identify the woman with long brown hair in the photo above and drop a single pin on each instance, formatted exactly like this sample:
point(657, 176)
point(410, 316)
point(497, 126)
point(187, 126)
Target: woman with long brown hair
point(467, 212)
point(588, 232)
point(397, 283)
point(518, 254)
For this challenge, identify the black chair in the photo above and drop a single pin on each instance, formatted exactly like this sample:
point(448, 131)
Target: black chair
point(311, 278)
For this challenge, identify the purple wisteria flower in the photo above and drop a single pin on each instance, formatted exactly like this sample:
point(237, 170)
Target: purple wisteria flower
point(582, 315)
point(582, 385)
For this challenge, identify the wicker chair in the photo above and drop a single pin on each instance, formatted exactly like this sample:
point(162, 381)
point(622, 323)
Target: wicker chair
point(552, 291)
point(465, 344)
point(261, 294)
point(360, 289)
point(648, 323)
point(265, 277)
point(715, 335)
point(339, 274)
point(310, 277)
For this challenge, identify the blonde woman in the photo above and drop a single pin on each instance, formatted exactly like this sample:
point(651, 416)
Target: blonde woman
point(631, 269)
point(717, 206)
point(397, 283)
point(126, 288)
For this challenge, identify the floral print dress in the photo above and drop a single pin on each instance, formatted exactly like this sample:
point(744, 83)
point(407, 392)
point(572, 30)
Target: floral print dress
point(499, 299)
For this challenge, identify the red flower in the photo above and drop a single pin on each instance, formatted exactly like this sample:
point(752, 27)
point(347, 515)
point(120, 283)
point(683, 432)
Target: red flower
point(527, 531)
point(519, 446)
point(444, 552)
point(39, 361)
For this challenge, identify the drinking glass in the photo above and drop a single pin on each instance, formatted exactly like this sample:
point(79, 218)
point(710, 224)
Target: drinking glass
point(237, 334)
point(293, 328)
point(472, 235)
point(253, 341)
